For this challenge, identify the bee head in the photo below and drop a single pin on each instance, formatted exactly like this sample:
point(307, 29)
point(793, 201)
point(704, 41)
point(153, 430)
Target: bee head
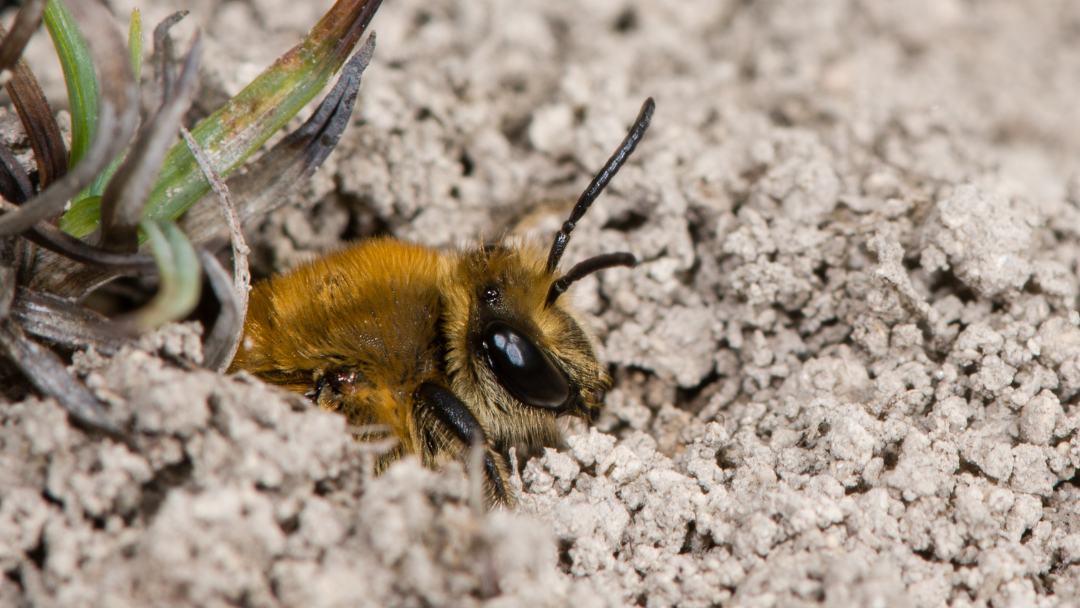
point(517, 353)
point(519, 360)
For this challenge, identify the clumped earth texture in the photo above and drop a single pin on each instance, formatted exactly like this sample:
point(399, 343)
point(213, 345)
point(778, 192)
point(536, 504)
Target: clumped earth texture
point(846, 370)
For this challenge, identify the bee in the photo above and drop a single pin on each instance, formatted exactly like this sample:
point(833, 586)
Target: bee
point(446, 349)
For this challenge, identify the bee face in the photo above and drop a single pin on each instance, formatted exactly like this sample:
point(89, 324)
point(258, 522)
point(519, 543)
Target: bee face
point(445, 350)
point(518, 359)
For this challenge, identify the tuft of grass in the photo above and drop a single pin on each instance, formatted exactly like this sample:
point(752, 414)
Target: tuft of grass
point(139, 182)
point(234, 132)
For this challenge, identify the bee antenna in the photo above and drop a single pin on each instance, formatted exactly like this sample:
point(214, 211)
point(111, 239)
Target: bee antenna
point(584, 269)
point(598, 184)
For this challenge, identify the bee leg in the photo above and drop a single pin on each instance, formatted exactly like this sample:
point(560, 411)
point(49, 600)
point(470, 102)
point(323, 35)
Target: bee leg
point(455, 415)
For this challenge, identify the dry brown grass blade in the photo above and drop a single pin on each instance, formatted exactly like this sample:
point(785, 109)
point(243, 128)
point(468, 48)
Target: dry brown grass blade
point(164, 56)
point(242, 273)
point(65, 323)
point(123, 200)
point(52, 238)
point(26, 23)
point(38, 119)
point(117, 118)
point(220, 345)
point(106, 263)
point(15, 184)
point(47, 373)
point(7, 290)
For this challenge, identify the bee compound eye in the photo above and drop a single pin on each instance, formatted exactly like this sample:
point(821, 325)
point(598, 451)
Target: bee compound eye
point(523, 369)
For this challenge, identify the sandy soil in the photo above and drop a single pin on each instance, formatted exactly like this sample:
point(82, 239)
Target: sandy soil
point(846, 372)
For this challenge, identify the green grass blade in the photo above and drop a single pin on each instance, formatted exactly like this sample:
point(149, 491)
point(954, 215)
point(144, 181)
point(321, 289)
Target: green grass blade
point(180, 275)
point(85, 209)
point(79, 76)
point(86, 213)
point(135, 43)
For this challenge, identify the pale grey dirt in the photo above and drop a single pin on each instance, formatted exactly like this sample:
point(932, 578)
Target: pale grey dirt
point(846, 371)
